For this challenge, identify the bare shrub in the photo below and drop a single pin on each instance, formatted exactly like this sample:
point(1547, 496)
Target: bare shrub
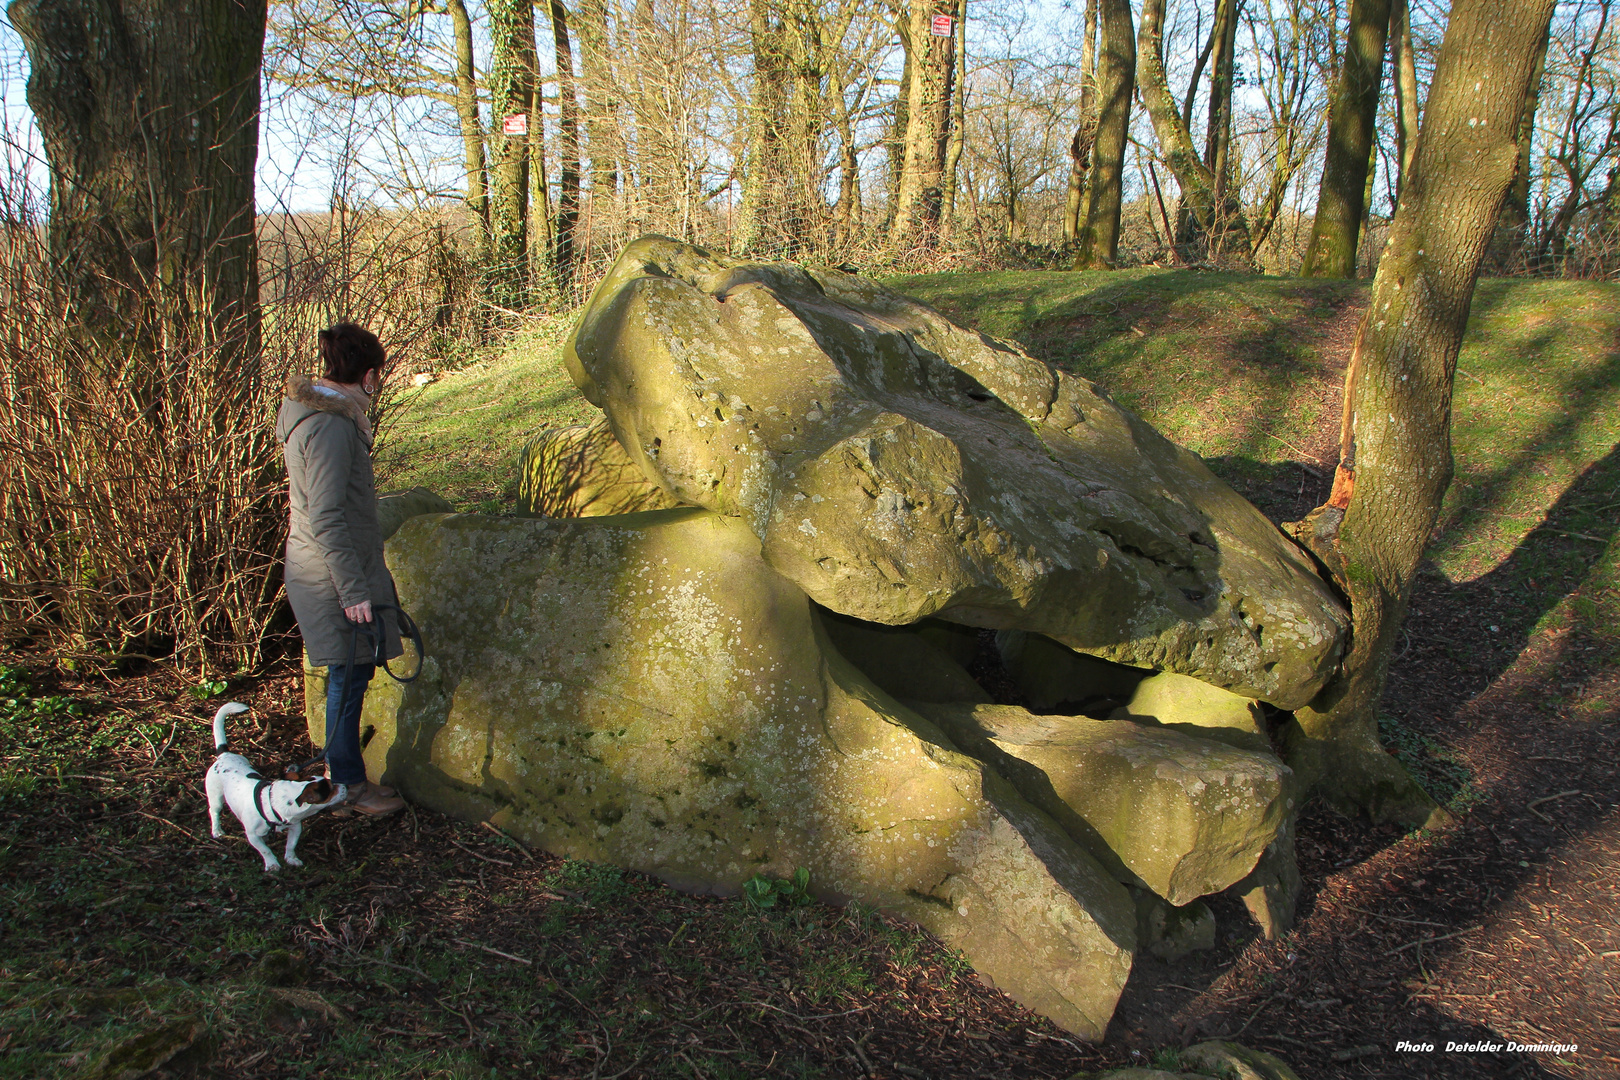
point(142, 493)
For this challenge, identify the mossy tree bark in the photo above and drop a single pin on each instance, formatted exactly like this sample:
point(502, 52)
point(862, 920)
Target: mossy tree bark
point(149, 112)
point(930, 60)
point(1395, 461)
point(1074, 214)
point(1098, 235)
point(511, 90)
point(1341, 200)
point(1404, 62)
point(958, 139)
point(562, 255)
point(1218, 127)
point(472, 128)
point(1507, 246)
point(601, 102)
point(1225, 233)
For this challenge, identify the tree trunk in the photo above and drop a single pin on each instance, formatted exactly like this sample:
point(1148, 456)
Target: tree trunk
point(958, 142)
point(1395, 458)
point(149, 112)
point(1223, 232)
point(601, 103)
point(804, 211)
point(1406, 89)
point(542, 231)
point(922, 169)
point(847, 215)
point(762, 171)
point(511, 89)
point(562, 252)
point(1512, 230)
point(472, 130)
point(894, 144)
point(1116, 82)
point(1351, 118)
point(1218, 127)
point(1085, 133)
point(1218, 133)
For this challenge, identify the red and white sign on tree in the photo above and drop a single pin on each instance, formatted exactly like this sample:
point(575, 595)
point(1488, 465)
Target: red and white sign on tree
point(516, 124)
point(942, 26)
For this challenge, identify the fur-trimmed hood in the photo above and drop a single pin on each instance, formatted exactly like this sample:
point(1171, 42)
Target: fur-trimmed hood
point(305, 395)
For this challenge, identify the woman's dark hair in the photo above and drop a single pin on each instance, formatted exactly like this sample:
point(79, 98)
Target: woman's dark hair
point(349, 350)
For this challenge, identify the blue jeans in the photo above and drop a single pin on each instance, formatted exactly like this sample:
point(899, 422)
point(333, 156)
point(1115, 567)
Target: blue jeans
point(345, 694)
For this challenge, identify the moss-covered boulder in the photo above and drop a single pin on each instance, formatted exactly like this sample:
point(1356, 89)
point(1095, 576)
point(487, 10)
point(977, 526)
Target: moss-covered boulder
point(1235, 1062)
point(897, 466)
point(644, 690)
point(582, 471)
point(1185, 817)
point(1197, 708)
point(396, 508)
point(1171, 932)
point(1271, 890)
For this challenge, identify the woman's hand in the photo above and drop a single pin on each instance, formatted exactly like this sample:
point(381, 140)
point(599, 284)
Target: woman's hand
point(360, 613)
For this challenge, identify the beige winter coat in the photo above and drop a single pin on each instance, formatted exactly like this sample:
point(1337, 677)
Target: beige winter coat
point(334, 546)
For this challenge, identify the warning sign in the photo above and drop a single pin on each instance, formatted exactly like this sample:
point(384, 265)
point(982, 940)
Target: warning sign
point(516, 124)
point(942, 26)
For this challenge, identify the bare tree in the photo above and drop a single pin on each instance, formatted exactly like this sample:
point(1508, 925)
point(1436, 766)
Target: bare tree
point(1342, 201)
point(512, 94)
point(1395, 458)
point(562, 254)
point(1098, 233)
point(1224, 233)
point(1085, 133)
point(931, 69)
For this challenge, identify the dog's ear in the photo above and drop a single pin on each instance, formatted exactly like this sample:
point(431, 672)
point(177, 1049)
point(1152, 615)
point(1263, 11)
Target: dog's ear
point(316, 791)
point(289, 772)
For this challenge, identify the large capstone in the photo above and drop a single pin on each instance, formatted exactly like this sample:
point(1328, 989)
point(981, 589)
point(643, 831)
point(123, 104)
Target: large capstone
point(895, 466)
point(645, 690)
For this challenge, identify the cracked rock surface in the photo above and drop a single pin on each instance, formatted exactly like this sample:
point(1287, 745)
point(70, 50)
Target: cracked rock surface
point(644, 690)
point(896, 466)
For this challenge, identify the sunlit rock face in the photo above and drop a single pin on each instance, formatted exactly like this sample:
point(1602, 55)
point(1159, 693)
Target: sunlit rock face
point(581, 471)
point(896, 466)
point(644, 690)
point(789, 669)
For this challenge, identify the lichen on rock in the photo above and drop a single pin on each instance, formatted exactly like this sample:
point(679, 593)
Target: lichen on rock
point(896, 466)
point(644, 690)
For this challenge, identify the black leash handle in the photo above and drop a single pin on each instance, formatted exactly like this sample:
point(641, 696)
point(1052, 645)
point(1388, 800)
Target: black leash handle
point(407, 628)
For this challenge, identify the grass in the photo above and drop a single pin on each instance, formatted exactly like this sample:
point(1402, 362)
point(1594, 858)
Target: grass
point(460, 436)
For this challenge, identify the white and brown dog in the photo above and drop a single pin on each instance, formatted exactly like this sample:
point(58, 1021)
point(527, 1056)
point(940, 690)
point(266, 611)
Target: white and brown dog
point(260, 804)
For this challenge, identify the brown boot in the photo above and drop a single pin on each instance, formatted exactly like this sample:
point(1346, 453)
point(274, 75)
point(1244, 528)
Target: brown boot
point(368, 799)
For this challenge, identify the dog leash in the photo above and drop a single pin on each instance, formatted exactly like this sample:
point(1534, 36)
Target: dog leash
point(408, 628)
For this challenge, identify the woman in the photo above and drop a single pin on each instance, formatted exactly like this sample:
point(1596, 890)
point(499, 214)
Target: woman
point(335, 570)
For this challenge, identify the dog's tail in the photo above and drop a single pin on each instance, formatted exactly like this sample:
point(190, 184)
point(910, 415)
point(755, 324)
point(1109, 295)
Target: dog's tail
point(230, 708)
